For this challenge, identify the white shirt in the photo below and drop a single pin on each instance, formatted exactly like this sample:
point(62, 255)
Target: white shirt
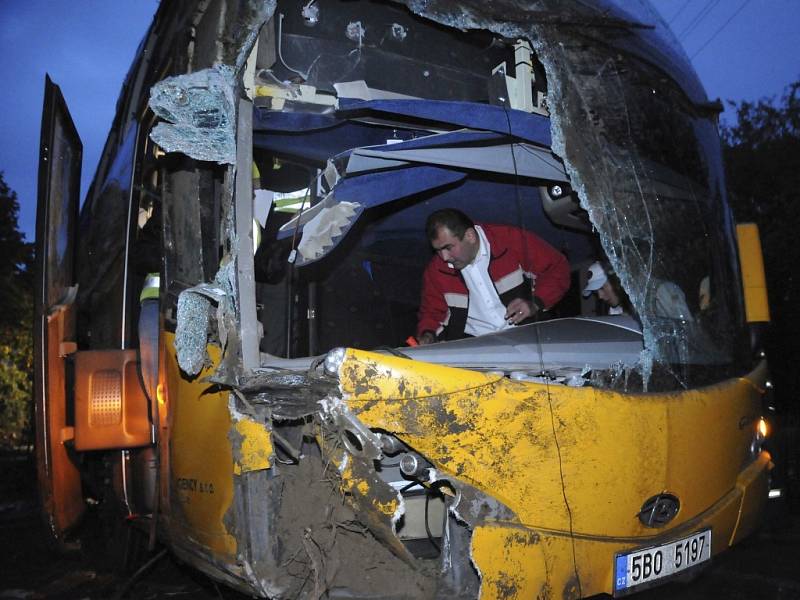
point(486, 312)
point(670, 302)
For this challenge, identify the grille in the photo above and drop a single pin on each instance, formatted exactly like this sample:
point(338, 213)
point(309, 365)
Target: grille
point(659, 510)
point(105, 399)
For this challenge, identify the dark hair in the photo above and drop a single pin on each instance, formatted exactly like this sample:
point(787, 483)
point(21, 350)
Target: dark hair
point(622, 295)
point(452, 218)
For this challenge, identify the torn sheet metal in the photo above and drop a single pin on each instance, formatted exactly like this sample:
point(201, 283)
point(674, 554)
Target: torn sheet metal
point(348, 444)
point(324, 544)
point(251, 442)
point(516, 563)
point(463, 422)
point(376, 503)
point(200, 113)
point(358, 194)
point(288, 395)
point(320, 231)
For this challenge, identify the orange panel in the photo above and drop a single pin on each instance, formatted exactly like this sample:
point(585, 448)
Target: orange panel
point(59, 479)
point(110, 406)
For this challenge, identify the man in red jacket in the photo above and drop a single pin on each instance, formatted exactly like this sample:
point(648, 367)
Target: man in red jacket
point(485, 278)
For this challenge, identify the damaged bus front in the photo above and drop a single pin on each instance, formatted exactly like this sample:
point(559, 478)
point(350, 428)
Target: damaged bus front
point(249, 267)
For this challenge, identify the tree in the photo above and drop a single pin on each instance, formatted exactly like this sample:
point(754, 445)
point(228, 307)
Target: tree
point(762, 161)
point(16, 259)
point(16, 319)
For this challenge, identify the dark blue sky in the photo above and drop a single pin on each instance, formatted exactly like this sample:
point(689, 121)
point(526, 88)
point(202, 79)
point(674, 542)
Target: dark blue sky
point(742, 50)
point(86, 46)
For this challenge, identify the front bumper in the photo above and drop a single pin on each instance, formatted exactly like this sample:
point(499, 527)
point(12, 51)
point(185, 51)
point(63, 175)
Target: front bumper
point(525, 562)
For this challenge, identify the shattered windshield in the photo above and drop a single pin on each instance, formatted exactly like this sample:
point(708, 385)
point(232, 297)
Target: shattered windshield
point(641, 148)
point(609, 152)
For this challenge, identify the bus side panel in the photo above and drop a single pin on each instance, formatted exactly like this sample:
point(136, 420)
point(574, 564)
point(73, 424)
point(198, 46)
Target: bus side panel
point(200, 478)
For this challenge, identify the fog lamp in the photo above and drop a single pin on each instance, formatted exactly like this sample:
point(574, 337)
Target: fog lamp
point(415, 467)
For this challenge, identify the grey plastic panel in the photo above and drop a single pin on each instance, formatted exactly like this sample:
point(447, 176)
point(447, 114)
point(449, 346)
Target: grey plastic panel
point(596, 343)
point(527, 161)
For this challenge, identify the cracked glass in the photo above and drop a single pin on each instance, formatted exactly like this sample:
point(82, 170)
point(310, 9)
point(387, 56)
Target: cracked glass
point(639, 141)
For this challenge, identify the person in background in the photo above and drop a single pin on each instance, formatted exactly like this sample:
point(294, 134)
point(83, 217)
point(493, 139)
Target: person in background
point(485, 278)
point(606, 285)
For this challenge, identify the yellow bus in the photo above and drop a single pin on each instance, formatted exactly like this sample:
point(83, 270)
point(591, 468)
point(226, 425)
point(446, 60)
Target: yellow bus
point(223, 350)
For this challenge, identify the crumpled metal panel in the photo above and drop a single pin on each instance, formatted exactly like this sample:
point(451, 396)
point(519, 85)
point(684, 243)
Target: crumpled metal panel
point(200, 111)
point(515, 441)
point(251, 442)
point(513, 452)
point(377, 504)
point(462, 421)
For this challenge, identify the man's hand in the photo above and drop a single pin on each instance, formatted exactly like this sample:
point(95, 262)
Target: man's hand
point(518, 310)
point(426, 338)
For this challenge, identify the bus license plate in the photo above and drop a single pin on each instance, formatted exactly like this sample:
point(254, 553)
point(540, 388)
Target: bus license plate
point(650, 564)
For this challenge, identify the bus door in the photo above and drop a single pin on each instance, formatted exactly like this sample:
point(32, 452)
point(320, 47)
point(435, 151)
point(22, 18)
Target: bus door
point(54, 323)
point(85, 400)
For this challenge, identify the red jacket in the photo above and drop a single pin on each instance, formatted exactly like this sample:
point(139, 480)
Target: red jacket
point(522, 265)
